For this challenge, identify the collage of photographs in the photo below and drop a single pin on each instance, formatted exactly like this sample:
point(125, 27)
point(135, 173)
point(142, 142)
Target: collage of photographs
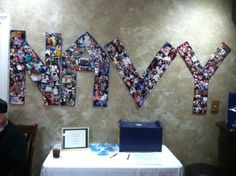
point(96, 60)
point(56, 79)
point(202, 74)
point(139, 87)
point(52, 59)
point(17, 68)
point(23, 57)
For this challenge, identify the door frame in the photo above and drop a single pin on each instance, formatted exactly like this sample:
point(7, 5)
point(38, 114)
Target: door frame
point(4, 56)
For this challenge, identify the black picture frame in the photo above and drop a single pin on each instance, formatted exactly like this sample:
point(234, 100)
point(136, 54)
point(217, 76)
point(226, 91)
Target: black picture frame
point(75, 137)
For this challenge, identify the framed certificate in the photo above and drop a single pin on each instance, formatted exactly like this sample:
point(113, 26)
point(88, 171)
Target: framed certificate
point(75, 137)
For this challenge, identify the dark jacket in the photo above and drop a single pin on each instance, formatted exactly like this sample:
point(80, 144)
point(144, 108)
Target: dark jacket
point(13, 152)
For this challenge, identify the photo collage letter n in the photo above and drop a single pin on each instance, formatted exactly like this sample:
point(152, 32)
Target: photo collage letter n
point(57, 78)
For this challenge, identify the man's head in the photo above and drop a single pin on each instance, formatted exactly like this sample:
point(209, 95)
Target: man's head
point(3, 108)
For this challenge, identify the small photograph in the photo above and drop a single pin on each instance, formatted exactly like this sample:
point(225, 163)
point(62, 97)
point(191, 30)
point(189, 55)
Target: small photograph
point(166, 49)
point(139, 87)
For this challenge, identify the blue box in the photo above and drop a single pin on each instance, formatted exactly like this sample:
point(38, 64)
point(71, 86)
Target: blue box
point(231, 120)
point(140, 136)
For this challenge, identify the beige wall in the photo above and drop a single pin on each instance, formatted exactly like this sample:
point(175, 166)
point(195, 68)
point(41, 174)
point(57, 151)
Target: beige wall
point(143, 26)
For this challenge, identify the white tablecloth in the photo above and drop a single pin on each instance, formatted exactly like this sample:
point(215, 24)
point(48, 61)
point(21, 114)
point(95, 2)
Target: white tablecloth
point(87, 163)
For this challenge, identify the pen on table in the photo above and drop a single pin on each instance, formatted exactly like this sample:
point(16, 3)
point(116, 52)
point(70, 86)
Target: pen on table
point(128, 156)
point(113, 155)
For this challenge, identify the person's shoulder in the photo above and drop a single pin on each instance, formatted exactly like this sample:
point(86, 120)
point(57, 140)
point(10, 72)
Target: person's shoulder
point(11, 124)
point(13, 129)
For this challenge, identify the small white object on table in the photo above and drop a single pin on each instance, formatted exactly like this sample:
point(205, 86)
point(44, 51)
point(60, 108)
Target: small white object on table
point(85, 162)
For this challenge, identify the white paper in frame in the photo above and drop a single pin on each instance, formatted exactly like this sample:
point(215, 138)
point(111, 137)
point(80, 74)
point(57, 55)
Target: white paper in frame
point(75, 137)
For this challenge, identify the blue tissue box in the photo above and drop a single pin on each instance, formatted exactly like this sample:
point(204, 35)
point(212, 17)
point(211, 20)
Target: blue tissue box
point(231, 120)
point(140, 136)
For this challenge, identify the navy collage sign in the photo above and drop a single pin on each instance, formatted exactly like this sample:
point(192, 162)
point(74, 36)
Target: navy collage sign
point(56, 78)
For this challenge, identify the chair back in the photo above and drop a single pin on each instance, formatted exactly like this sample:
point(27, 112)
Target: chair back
point(30, 134)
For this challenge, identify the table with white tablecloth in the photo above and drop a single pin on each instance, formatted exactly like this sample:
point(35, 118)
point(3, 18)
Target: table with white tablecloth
point(85, 162)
